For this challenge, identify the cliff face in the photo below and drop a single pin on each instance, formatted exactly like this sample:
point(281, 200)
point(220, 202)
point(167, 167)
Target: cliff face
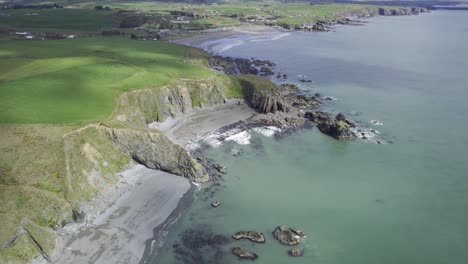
point(261, 94)
point(401, 11)
point(155, 151)
point(384, 11)
point(145, 106)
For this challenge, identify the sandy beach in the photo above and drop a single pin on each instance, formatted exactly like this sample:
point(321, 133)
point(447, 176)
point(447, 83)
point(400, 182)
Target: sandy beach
point(118, 235)
point(190, 127)
point(209, 38)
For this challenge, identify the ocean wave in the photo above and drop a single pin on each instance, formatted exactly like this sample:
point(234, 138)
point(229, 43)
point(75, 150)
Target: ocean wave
point(328, 98)
point(216, 138)
point(267, 131)
point(280, 36)
point(376, 123)
point(213, 140)
point(220, 45)
point(235, 135)
point(368, 134)
point(268, 38)
point(230, 46)
point(242, 138)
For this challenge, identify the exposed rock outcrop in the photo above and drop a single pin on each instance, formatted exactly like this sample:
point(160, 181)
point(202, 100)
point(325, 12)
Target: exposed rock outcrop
point(154, 150)
point(244, 254)
point(343, 17)
point(263, 63)
point(262, 95)
point(296, 252)
point(253, 236)
point(337, 127)
point(230, 65)
point(266, 71)
point(401, 11)
point(219, 168)
point(287, 236)
point(144, 106)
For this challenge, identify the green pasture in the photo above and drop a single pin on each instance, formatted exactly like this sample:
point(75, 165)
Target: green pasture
point(77, 80)
point(58, 20)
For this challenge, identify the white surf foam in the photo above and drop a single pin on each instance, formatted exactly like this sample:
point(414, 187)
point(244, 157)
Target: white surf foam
point(368, 134)
point(376, 123)
point(213, 140)
point(230, 46)
point(242, 138)
point(280, 36)
point(267, 131)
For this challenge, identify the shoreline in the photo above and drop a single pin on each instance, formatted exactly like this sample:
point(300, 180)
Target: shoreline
point(117, 234)
point(195, 40)
point(152, 198)
point(161, 231)
point(187, 128)
point(215, 118)
point(183, 130)
point(210, 37)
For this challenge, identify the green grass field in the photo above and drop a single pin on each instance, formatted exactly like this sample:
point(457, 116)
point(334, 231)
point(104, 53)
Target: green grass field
point(77, 80)
point(58, 20)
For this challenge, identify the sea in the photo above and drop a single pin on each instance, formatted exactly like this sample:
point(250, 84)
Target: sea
point(398, 195)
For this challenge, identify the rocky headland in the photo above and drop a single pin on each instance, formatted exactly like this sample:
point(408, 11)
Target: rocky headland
point(281, 105)
point(353, 17)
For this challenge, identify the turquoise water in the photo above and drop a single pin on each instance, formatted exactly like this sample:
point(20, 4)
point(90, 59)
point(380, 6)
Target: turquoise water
point(358, 202)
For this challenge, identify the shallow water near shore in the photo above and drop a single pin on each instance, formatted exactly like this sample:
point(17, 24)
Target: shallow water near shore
point(403, 201)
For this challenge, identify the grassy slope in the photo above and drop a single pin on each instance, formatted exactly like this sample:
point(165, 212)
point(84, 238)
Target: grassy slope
point(76, 80)
point(31, 181)
point(35, 186)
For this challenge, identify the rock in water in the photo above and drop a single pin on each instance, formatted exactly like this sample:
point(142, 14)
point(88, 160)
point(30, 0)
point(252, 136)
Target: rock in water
point(286, 236)
point(338, 127)
point(296, 252)
point(266, 71)
point(253, 236)
point(244, 254)
point(297, 232)
point(215, 204)
point(219, 168)
point(263, 63)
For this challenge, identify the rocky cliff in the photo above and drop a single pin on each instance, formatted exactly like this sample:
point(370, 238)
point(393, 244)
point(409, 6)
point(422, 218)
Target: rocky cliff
point(141, 107)
point(401, 11)
point(343, 17)
point(261, 94)
point(154, 150)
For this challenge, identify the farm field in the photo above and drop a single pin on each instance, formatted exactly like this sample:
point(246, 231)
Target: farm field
point(61, 20)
